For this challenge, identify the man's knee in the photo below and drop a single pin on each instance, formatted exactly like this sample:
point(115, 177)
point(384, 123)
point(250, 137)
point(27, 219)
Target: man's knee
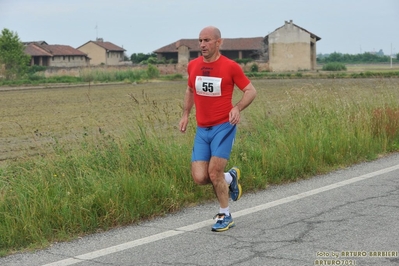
point(201, 179)
point(216, 176)
point(199, 172)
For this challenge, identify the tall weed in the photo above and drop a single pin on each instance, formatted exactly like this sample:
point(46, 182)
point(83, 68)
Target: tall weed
point(286, 134)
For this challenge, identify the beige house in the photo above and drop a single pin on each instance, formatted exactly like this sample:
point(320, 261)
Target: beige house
point(55, 55)
point(288, 48)
point(103, 53)
point(291, 48)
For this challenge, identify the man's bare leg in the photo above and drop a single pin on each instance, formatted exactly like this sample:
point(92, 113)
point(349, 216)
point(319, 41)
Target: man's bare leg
point(213, 172)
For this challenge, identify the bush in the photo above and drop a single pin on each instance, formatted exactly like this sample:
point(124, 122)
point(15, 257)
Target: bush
point(243, 60)
point(152, 60)
point(36, 78)
point(152, 72)
point(35, 68)
point(334, 66)
point(254, 67)
point(176, 76)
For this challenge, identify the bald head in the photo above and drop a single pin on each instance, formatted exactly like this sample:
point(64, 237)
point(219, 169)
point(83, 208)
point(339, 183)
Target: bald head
point(210, 42)
point(213, 31)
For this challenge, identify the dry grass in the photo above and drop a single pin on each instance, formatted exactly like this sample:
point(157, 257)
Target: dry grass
point(34, 120)
point(295, 129)
point(372, 67)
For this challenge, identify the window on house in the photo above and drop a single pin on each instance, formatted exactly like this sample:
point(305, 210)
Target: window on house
point(63, 58)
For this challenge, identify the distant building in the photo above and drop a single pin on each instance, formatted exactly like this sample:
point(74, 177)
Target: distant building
point(288, 48)
point(37, 42)
point(103, 53)
point(55, 55)
point(185, 50)
point(291, 48)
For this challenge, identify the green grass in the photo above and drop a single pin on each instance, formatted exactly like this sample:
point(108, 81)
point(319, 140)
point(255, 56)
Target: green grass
point(35, 76)
point(103, 179)
point(334, 66)
point(96, 75)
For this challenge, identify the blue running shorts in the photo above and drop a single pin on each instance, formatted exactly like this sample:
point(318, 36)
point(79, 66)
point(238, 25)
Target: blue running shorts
point(213, 141)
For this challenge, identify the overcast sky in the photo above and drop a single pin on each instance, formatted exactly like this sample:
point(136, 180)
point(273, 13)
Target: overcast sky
point(142, 26)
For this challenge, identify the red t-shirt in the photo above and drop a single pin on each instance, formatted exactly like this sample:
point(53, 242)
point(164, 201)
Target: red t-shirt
point(213, 86)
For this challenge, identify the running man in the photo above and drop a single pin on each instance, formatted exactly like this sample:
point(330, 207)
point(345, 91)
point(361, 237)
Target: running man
point(211, 82)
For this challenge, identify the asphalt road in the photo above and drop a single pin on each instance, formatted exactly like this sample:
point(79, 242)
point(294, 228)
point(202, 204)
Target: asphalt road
point(348, 217)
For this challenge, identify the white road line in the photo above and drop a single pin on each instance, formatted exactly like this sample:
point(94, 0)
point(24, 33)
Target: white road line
point(192, 227)
point(313, 192)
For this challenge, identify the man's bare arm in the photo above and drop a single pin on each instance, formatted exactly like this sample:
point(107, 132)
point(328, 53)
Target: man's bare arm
point(188, 105)
point(246, 99)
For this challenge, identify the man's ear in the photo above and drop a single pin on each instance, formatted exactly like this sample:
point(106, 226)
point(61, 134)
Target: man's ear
point(220, 42)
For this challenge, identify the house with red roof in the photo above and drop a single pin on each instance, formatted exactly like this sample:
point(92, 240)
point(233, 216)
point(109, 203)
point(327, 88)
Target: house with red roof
point(103, 53)
point(185, 50)
point(288, 48)
point(55, 55)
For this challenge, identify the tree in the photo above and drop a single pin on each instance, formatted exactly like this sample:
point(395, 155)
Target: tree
point(380, 53)
point(351, 59)
point(13, 59)
point(138, 58)
point(335, 57)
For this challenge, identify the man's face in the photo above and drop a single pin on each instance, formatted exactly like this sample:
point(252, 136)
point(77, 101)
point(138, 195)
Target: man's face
point(208, 43)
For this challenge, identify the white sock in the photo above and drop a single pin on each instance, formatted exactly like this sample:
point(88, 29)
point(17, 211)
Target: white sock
point(226, 211)
point(228, 178)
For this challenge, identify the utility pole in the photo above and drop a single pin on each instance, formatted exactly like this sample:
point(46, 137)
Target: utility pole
point(391, 55)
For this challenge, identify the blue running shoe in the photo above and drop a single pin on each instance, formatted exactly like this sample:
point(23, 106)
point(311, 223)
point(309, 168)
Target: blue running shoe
point(235, 188)
point(223, 222)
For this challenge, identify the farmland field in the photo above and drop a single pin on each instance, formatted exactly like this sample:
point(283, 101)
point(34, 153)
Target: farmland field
point(34, 120)
point(76, 160)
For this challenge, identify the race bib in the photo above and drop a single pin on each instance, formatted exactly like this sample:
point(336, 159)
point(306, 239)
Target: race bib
point(208, 86)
